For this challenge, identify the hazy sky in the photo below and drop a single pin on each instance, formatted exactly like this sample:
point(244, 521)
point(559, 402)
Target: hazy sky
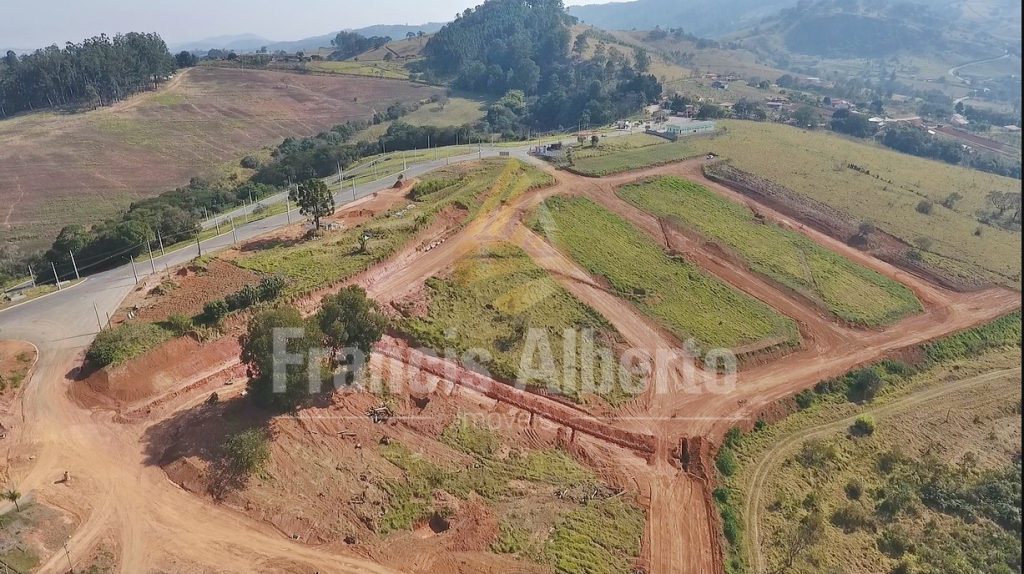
point(25, 24)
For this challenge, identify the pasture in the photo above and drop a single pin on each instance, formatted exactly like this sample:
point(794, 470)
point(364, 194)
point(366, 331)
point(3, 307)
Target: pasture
point(686, 301)
point(57, 169)
point(816, 164)
point(843, 288)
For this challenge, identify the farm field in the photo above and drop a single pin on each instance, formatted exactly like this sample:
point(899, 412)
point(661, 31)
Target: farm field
point(611, 158)
point(897, 480)
point(56, 169)
point(458, 111)
point(381, 69)
point(488, 301)
point(843, 288)
point(687, 302)
point(815, 164)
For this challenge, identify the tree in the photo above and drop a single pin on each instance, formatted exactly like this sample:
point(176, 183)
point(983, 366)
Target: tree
point(642, 60)
point(959, 108)
point(350, 320)
point(13, 496)
point(293, 384)
point(865, 385)
point(950, 201)
point(247, 451)
point(806, 117)
point(185, 59)
point(314, 200)
point(594, 140)
point(801, 539)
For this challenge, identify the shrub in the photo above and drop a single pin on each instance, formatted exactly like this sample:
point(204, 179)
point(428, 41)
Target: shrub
point(245, 297)
point(852, 517)
point(816, 453)
point(214, 311)
point(805, 399)
point(178, 324)
point(270, 287)
point(726, 461)
point(250, 162)
point(865, 384)
point(116, 345)
point(925, 207)
point(894, 542)
point(889, 460)
point(248, 451)
point(863, 426)
point(854, 489)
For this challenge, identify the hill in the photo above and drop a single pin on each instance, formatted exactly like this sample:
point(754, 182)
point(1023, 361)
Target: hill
point(708, 18)
point(253, 42)
point(880, 28)
point(62, 168)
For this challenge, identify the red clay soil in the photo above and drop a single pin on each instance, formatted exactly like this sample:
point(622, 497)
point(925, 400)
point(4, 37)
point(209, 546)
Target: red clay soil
point(682, 532)
point(189, 288)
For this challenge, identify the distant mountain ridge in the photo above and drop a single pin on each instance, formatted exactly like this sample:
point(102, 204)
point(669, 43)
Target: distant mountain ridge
point(253, 42)
point(705, 18)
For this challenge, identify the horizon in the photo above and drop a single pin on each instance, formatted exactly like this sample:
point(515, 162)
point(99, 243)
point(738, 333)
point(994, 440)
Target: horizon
point(25, 29)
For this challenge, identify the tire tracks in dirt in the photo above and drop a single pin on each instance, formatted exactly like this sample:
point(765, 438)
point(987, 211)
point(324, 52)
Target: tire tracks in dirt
point(755, 488)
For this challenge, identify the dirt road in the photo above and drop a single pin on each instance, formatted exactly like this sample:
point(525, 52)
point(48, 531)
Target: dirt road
point(117, 496)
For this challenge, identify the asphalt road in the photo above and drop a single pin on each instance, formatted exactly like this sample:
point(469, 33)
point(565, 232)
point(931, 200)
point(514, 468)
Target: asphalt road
point(70, 318)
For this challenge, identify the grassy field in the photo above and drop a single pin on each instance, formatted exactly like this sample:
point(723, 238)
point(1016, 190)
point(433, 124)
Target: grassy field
point(683, 299)
point(337, 256)
point(847, 290)
point(65, 168)
point(490, 300)
point(456, 112)
point(542, 498)
point(380, 69)
point(610, 158)
point(899, 479)
point(813, 164)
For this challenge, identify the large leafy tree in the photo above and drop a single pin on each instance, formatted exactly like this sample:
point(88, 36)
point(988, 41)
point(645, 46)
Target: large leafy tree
point(349, 319)
point(314, 200)
point(258, 355)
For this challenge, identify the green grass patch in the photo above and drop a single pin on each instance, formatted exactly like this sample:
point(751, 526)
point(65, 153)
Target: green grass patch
point(337, 256)
point(686, 301)
point(573, 522)
point(389, 70)
point(886, 192)
point(610, 159)
point(118, 344)
point(491, 301)
point(845, 289)
point(603, 537)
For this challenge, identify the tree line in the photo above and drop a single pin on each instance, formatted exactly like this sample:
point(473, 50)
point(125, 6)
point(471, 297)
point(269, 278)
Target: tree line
point(98, 71)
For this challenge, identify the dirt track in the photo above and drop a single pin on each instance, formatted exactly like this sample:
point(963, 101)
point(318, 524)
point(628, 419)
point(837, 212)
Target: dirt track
point(681, 534)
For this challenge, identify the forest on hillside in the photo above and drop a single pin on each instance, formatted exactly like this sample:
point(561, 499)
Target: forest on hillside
point(98, 71)
point(524, 50)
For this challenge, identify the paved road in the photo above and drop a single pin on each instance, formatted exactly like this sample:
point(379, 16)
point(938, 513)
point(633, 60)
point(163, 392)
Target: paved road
point(71, 315)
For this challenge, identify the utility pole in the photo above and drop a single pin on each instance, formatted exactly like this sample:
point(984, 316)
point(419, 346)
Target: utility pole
point(75, 265)
point(54, 267)
point(234, 238)
point(134, 272)
point(68, 554)
point(199, 246)
point(99, 322)
point(151, 262)
point(161, 240)
point(206, 214)
point(288, 209)
point(32, 275)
